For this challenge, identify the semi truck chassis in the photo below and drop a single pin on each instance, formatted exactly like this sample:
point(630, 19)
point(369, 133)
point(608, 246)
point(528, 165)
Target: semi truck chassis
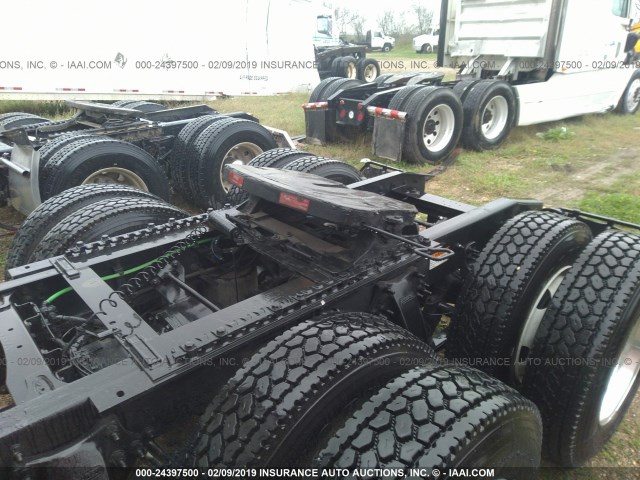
point(155, 321)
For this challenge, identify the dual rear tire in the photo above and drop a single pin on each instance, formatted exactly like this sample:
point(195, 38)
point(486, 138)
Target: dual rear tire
point(85, 159)
point(339, 392)
point(433, 125)
point(205, 146)
point(490, 113)
point(85, 213)
point(556, 314)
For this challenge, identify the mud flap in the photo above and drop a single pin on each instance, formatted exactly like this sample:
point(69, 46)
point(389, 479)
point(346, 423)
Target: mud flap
point(23, 166)
point(320, 126)
point(388, 137)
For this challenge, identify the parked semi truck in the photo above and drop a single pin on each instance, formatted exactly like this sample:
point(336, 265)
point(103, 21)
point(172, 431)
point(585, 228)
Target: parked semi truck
point(517, 62)
point(337, 58)
point(303, 325)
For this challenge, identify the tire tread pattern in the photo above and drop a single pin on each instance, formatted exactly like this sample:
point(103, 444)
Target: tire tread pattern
point(580, 324)
point(75, 227)
point(183, 154)
point(48, 214)
point(493, 287)
point(242, 424)
point(423, 419)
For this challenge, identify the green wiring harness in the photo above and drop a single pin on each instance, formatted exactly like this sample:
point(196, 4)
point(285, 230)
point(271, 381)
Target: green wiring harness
point(130, 271)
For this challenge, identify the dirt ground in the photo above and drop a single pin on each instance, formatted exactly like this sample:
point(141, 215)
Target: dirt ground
point(601, 174)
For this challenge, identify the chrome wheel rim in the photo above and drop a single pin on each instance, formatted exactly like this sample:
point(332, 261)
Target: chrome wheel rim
point(438, 128)
point(370, 73)
point(495, 117)
point(532, 323)
point(117, 175)
point(622, 377)
point(239, 154)
point(633, 96)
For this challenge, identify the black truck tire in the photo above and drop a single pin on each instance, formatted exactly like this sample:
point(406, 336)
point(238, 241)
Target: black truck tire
point(112, 216)
point(438, 418)
point(270, 412)
point(588, 350)
point(336, 65)
point(434, 125)
point(50, 148)
point(48, 214)
point(123, 103)
point(103, 160)
point(463, 88)
point(490, 113)
point(318, 93)
point(387, 47)
point(348, 67)
point(275, 158)
point(368, 69)
point(426, 48)
point(508, 289)
point(220, 144)
point(401, 98)
point(184, 153)
point(54, 145)
point(339, 86)
point(23, 120)
point(331, 86)
point(630, 101)
point(383, 78)
point(146, 107)
point(5, 116)
point(326, 168)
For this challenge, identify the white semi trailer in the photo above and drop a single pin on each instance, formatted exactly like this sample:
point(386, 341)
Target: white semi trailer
point(192, 50)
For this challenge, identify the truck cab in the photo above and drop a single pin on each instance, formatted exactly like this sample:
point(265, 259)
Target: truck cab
point(377, 40)
point(324, 35)
point(427, 42)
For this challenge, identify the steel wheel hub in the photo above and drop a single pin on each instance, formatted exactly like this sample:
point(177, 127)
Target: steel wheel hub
point(532, 323)
point(438, 128)
point(239, 154)
point(117, 175)
point(622, 377)
point(633, 95)
point(495, 117)
point(370, 73)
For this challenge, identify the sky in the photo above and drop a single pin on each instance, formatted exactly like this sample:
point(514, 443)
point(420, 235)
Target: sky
point(372, 9)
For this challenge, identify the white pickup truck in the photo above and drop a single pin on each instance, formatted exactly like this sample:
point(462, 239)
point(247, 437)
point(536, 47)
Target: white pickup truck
point(427, 42)
point(377, 40)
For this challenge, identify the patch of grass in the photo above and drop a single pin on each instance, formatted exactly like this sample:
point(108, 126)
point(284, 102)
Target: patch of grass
point(404, 51)
point(281, 111)
point(556, 134)
point(623, 206)
point(51, 109)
